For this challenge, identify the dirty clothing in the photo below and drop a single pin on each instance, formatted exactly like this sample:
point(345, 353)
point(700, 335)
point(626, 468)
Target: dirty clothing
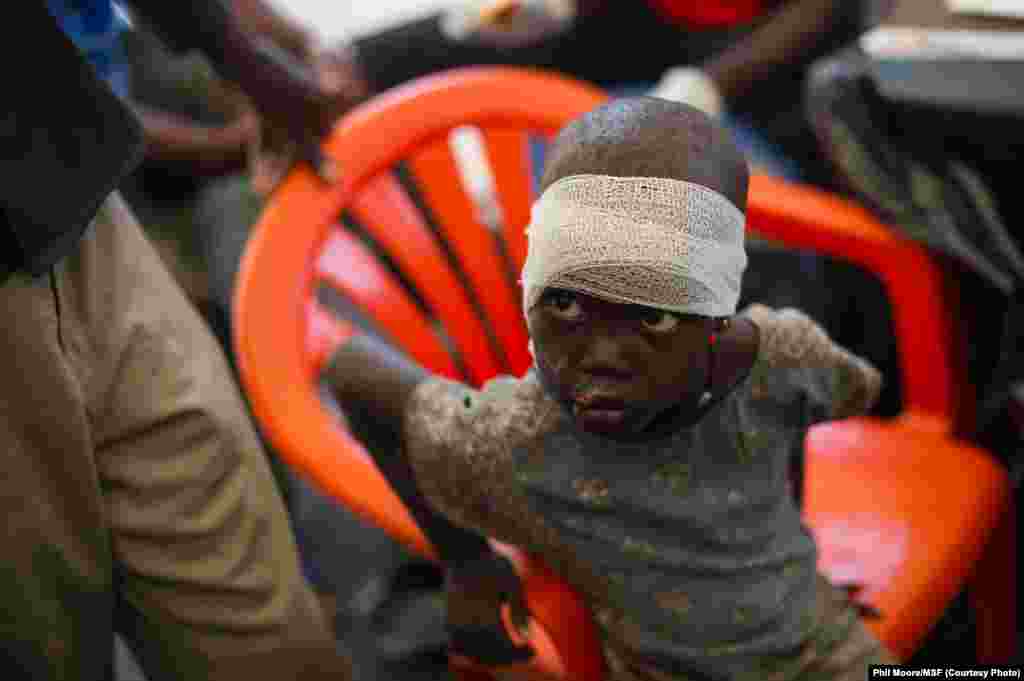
point(690, 550)
point(135, 495)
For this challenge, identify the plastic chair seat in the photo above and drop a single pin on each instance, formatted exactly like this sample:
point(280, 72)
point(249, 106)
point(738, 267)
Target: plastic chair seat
point(877, 496)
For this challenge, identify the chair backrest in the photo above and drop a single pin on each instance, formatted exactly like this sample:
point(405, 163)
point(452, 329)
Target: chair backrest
point(422, 265)
point(416, 256)
point(412, 124)
point(405, 275)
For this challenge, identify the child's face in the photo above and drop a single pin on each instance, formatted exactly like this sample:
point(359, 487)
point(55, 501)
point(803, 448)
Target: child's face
point(619, 367)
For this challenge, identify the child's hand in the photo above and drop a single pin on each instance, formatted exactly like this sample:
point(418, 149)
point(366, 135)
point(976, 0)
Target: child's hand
point(477, 591)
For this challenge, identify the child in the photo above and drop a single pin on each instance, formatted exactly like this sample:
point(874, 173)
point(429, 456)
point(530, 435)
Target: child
point(645, 455)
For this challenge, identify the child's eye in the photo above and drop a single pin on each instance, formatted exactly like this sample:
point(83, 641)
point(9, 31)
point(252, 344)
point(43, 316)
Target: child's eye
point(564, 305)
point(660, 321)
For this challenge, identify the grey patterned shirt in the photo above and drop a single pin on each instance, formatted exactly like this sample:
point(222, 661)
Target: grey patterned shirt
point(690, 550)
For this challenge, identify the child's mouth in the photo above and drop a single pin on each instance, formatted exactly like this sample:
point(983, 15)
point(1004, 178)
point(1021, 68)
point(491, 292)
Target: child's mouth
point(600, 414)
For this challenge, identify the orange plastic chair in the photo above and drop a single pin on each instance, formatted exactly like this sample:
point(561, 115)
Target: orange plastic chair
point(898, 506)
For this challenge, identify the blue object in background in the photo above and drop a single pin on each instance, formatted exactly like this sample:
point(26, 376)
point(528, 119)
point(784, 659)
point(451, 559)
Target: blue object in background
point(95, 27)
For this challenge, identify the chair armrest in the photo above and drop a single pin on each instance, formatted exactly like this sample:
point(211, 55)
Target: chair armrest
point(805, 218)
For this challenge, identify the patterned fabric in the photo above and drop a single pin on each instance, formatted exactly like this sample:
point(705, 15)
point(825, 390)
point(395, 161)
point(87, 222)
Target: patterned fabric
point(690, 550)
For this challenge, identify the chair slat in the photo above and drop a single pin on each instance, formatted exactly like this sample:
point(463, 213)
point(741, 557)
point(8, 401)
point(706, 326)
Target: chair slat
point(346, 264)
point(384, 209)
point(508, 151)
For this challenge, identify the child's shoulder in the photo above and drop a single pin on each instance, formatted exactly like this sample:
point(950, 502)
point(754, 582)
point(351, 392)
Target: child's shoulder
point(505, 407)
point(787, 337)
point(796, 355)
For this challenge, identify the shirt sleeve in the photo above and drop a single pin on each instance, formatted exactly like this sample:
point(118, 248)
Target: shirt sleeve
point(845, 384)
point(208, 580)
point(460, 441)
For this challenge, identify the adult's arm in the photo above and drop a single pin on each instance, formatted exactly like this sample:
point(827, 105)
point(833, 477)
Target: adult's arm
point(206, 149)
point(787, 35)
point(283, 88)
point(259, 17)
point(375, 383)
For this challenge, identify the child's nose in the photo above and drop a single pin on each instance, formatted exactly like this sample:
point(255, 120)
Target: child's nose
point(607, 354)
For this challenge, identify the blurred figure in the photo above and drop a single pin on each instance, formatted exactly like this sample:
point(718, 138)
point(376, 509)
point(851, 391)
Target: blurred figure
point(209, 165)
point(200, 128)
point(741, 59)
point(136, 497)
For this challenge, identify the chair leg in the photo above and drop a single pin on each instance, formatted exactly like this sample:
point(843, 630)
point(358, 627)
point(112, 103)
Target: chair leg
point(993, 593)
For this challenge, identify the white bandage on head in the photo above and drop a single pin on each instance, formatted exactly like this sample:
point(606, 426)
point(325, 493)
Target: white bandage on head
point(666, 244)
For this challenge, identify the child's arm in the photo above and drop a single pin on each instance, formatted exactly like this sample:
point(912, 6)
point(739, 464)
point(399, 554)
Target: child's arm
point(444, 445)
point(464, 445)
point(789, 339)
point(441, 437)
point(374, 383)
point(456, 449)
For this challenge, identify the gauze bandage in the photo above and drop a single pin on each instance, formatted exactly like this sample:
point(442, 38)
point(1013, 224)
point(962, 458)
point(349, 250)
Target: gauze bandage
point(666, 244)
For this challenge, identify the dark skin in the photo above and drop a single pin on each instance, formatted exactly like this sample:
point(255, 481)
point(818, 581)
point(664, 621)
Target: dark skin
point(631, 372)
point(205, 150)
point(783, 36)
point(789, 32)
point(625, 371)
point(373, 380)
point(285, 90)
point(215, 150)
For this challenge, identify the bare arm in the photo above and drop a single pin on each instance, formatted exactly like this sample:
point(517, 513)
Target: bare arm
point(206, 149)
point(788, 34)
point(283, 88)
point(458, 446)
point(376, 382)
point(370, 374)
point(417, 413)
point(464, 445)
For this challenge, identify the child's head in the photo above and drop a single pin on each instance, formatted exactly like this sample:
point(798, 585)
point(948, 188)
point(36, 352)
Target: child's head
point(635, 260)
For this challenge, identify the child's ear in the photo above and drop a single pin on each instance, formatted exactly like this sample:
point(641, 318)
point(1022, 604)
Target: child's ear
point(736, 350)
